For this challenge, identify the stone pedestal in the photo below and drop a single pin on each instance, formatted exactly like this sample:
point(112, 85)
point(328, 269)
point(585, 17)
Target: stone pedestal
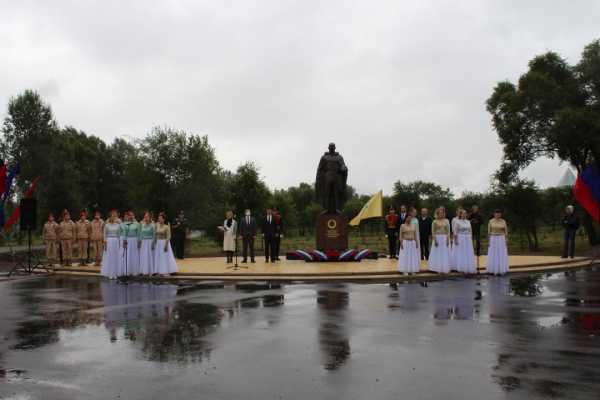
point(332, 232)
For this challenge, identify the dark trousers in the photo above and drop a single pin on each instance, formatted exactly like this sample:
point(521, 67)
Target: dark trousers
point(424, 247)
point(270, 247)
point(477, 242)
point(392, 243)
point(248, 246)
point(277, 247)
point(178, 246)
point(569, 249)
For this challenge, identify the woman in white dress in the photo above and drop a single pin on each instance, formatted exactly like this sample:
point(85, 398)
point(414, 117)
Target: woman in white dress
point(111, 259)
point(229, 232)
point(452, 236)
point(164, 261)
point(146, 245)
point(463, 254)
point(409, 258)
point(130, 231)
point(497, 259)
point(439, 257)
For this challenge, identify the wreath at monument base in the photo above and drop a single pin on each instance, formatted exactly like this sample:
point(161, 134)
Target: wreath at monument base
point(331, 255)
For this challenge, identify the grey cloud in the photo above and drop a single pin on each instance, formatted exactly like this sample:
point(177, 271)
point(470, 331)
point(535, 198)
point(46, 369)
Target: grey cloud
point(400, 86)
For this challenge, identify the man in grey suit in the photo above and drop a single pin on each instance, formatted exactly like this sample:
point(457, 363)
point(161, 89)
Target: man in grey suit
point(248, 234)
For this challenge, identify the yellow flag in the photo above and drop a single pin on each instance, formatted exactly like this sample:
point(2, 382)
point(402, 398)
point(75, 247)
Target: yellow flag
point(373, 208)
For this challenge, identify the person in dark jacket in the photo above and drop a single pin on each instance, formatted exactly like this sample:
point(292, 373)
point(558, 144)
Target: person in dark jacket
point(179, 231)
point(248, 234)
point(571, 224)
point(269, 231)
point(424, 232)
point(279, 234)
point(392, 228)
point(476, 223)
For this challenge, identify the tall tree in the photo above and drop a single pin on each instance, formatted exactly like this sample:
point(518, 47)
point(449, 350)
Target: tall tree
point(28, 132)
point(248, 190)
point(554, 111)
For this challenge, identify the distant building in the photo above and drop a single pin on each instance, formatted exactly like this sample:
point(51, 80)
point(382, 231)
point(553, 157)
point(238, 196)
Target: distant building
point(568, 179)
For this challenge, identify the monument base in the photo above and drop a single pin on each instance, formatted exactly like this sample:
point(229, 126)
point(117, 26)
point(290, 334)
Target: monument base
point(332, 232)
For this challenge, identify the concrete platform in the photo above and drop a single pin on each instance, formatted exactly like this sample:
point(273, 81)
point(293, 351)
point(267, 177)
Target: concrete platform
point(366, 270)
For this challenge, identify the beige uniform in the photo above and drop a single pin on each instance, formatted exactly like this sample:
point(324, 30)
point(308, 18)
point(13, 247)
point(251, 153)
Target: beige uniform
point(83, 230)
point(67, 234)
point(97, 238)
point(50, 237)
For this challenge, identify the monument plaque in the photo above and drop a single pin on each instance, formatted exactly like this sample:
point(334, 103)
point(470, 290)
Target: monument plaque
point(332, 232)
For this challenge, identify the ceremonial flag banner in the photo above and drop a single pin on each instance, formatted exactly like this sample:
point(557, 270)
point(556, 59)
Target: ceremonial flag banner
point(587, 191)
point(14, 217)
point(2, 178)
point(372, 209)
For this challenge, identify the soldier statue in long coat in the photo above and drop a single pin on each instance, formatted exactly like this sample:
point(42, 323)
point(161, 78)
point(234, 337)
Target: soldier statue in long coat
point(330, 186)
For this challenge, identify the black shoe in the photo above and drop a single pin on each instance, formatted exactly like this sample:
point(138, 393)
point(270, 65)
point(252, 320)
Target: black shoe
point(563, 256)
point(267, 260)
point(252, 261)
point(244, 261)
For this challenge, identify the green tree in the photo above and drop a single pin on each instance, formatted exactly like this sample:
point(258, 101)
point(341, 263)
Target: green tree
point(421, 194)
point(248, 190)
point(554, 111)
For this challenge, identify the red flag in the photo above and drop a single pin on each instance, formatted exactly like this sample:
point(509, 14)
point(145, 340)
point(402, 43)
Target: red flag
point(14, 217)
point(2, 178)
point(584, 196)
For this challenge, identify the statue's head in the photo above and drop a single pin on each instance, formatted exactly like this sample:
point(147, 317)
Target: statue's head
point(332, 147)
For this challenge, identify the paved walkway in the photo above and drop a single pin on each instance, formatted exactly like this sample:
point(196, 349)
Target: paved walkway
point(286, 270)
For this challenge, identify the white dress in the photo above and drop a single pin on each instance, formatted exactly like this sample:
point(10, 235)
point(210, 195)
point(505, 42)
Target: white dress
point(229, 235)
point(497, 259)
point(164, 261)
point(111, 259)
point(451, 248)
point(409, 257)
point(131, 253)
point(463, 254)
point(146, 249)
point(439, 256)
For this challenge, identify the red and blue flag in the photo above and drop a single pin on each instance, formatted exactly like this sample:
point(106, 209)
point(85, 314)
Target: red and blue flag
point(587, 191)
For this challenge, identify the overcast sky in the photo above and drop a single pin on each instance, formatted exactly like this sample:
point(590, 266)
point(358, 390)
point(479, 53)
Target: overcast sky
point(399, 86)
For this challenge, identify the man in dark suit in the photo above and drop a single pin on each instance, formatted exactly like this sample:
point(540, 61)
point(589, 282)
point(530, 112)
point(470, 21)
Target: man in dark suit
point(248, 234)
point(476, 224)
point(279, 234)
point(425, 222)
point(402, 215)
point(571, 224)
point(269, 231)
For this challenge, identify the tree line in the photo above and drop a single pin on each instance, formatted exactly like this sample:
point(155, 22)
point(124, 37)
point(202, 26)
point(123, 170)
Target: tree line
point(553, 111)
point(170, 170)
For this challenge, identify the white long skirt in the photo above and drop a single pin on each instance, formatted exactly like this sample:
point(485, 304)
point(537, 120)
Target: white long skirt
point(164, 261)
point(111, 259)
point(130, 258)
point(439, 257)
point(464, 256)
point(409, 258)
point(497, 259)
point(146, 257)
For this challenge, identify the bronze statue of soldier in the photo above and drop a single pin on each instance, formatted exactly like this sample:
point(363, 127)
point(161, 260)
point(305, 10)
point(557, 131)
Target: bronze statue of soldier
point(330, 185)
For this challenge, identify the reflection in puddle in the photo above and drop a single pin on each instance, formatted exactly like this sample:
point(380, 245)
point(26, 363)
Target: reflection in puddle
point(333, 338)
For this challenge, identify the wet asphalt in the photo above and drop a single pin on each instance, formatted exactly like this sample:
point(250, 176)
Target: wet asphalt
point(525, 337)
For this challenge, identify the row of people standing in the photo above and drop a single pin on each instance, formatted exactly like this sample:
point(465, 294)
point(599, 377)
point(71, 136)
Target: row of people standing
point(272, 233)
point(446, 245)
point(84, 235)
point(133, 248)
